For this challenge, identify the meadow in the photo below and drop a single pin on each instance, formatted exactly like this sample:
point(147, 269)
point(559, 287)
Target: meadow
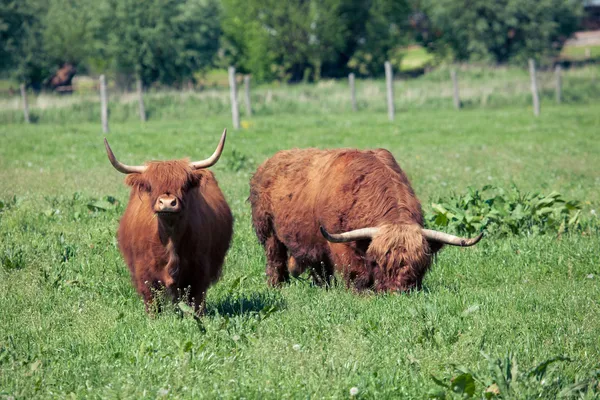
point(489, 319)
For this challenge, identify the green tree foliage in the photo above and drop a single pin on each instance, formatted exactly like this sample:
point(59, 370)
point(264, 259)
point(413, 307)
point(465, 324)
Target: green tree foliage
point(167, 41)
point(68, 31)
point(381, 33)
point(498, 31)
point(21, 40)
point(291, 40)
point(282, 39)
point(160, 40)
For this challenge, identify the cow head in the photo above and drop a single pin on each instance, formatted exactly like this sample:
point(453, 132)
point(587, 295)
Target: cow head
point(165, 185)
point(399, 254)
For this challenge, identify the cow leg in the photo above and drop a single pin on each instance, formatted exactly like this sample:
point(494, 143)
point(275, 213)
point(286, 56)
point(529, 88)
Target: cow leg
point(147, 289)
point(277, 270)
point(294, 267)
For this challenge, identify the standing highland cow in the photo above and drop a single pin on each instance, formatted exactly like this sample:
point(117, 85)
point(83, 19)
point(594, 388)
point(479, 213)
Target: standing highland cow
point(177, 226)
point(363, 194)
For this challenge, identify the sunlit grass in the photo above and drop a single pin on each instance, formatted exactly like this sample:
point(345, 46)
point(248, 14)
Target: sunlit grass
point(71, 322)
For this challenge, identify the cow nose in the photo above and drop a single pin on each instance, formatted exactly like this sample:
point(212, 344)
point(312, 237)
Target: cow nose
point(167, 203)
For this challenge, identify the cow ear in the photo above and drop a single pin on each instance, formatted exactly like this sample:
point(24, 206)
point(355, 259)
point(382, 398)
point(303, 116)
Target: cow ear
point(197, 178)
point(136, 180)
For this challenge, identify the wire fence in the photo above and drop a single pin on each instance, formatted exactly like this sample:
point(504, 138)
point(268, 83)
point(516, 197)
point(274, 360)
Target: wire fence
point(456, 86)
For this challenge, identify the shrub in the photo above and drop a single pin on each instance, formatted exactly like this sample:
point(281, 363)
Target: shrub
point(505, 212)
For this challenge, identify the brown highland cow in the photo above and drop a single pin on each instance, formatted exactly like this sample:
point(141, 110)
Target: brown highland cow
point(364, 197)
point(177, 226)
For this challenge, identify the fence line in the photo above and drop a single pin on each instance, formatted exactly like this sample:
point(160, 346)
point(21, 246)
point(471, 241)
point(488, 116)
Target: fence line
point(352, 92)
point(389, 83)
point(501, 88)
point(455, 96)
point(534, 88)
point(103, 104)
point(247, 95)
point(558, 82)
point(25, 104)
point(140, 93)
point(235, 112)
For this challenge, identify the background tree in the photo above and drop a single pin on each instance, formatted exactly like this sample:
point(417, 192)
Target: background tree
point(294, 39)
point(21, 41)
point(67, 31)
point(498, 31)
point(283, 39)
point(380, 34)
point(160, 40)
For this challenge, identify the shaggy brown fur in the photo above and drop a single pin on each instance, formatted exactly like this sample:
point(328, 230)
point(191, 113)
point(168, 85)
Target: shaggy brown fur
point(179, 251)
point(295, 191)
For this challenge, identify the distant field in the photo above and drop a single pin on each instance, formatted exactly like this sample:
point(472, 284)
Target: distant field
point(479, 86)
point(579, 52)
point(72, 325)
point(415, 58)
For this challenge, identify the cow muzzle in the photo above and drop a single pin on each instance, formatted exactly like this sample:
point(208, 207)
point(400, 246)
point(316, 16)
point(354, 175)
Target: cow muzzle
point(167, 204)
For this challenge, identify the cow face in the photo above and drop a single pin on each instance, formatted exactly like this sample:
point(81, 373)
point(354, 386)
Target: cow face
point(164, 186)
point(399, 254)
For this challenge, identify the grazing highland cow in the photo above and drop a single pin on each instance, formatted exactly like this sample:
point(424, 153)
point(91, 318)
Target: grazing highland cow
point(177, 226)
point(363, 194)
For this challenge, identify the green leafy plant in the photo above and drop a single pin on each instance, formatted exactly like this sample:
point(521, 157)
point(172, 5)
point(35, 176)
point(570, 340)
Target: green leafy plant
point(105, 204)
point(6, 205)
point(505, 212)
point(238, 161)
point(12, 258)
point(504, 379)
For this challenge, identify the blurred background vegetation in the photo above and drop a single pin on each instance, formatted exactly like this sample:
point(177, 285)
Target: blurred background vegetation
point(181, 43)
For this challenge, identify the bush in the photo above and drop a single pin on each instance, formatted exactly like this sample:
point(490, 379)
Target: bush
point(505, 212)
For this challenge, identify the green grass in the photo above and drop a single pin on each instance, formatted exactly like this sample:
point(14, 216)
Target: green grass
point(72, 325)
point(579, 52)
point(415, 58)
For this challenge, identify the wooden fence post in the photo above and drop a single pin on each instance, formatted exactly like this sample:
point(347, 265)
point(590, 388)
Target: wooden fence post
point(534, 89)
point(557, 75)
point(25, 104)
point(235, 112)
point(140, 93)
point(389, 81)
point(103, 104)
point(352, 91)
point(456, 97)
point(247, 95)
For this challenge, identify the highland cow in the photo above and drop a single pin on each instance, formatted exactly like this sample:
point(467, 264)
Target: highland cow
point(177, 227)
point(300, 197)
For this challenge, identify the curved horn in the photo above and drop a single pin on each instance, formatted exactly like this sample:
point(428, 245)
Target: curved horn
point(212, 160)
point(126, 169)
point(350, 236)
point(446, 238)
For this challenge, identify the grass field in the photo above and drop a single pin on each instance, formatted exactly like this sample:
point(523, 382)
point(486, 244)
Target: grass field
point(480, 87)
point(72, 326)
point(579, 52)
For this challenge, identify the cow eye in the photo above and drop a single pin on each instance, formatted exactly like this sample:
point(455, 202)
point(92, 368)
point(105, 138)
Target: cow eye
point(144, 187)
